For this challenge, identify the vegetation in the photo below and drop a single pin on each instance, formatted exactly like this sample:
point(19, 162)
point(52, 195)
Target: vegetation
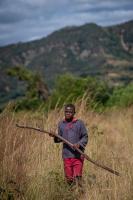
point(121, 96)
point(69, 88)
point(36, 90)
point(30, 163)
point(99, 95)
point(102, 52)
point(32, 169)
point(31, 166)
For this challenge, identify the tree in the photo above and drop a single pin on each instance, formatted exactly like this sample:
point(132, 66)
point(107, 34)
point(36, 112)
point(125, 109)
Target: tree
point(36, 90)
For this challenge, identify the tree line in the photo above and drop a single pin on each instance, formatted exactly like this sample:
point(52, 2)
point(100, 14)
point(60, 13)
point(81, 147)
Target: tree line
point(68, 88)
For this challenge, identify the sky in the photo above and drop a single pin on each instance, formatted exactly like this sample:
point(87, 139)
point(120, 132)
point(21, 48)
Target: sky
point(26, 20)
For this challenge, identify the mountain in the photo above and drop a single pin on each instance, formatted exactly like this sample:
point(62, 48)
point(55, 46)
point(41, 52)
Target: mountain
point(103, 52)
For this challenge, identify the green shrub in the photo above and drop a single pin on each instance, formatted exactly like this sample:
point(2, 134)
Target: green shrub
point(69, 88)
point(122, 96)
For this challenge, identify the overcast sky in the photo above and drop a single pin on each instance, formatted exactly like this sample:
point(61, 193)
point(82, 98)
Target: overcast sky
point(25, 20)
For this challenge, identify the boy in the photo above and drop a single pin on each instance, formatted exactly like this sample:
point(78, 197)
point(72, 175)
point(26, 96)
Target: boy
point(74, 131)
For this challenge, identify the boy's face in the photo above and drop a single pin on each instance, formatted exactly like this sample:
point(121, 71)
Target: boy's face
point(69, 113)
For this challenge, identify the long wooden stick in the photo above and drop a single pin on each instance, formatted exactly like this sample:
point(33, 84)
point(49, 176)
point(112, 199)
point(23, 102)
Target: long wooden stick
point(71, 145)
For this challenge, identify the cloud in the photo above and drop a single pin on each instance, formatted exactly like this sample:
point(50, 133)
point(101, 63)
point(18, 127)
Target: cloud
point(24, 20)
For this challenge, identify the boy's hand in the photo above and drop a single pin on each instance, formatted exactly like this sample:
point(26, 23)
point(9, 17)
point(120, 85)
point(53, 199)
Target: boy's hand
point(76, 146)
point(51, 135)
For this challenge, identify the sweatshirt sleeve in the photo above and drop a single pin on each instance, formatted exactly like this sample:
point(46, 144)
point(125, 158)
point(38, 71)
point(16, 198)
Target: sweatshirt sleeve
point(84, 135)
point(56, 139)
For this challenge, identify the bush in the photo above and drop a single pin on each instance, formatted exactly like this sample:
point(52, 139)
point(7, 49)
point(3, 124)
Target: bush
point(27, 104)
point(122, 96)
point(69, 88)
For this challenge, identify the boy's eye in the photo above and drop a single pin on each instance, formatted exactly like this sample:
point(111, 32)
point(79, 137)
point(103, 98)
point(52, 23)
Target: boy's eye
point(67, 111)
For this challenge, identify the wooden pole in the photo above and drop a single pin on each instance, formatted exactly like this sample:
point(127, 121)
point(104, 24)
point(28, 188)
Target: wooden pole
point(71, 145)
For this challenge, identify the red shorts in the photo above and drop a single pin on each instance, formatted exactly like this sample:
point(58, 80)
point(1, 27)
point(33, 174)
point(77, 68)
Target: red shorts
point(73, 167)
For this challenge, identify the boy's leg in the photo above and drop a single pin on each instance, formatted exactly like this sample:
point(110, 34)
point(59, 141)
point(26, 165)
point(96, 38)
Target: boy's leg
point(77, 170)
point(68, 170)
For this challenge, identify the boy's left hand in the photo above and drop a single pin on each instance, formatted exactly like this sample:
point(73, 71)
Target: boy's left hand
point(76, 146)
point(51, 135)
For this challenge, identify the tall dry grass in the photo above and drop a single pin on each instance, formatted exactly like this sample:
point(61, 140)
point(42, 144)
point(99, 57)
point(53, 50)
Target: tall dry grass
point(31, 165)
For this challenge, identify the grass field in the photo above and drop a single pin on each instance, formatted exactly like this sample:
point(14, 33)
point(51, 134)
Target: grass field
point(31, 166)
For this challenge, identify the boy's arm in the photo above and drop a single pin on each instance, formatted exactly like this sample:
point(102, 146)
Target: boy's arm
point(56, 139)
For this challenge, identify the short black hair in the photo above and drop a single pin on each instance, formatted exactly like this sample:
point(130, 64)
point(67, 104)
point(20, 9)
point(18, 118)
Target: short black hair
point(71, 106)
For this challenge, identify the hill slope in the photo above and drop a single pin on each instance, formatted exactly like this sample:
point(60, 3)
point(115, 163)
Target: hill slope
point(104, 52)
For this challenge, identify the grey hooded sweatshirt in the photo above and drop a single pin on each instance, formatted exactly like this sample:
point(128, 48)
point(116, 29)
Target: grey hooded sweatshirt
point(76, 133)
